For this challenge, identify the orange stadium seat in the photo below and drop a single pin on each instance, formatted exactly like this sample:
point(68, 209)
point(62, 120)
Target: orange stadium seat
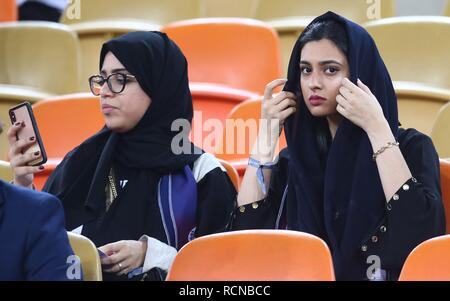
point(212, 104)
point(224, 58)
point(64, 122)
point(240, 53)
point(8, 11)
point(249, 112)
point(232, 173)
point(265, 255)
point(445, 188)
point(429, 261)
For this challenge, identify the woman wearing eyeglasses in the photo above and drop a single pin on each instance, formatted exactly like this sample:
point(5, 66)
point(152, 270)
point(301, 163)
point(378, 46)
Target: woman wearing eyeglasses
point(126, 188)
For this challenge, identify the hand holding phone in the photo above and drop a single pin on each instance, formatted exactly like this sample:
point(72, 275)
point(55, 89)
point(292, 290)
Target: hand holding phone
point(26, 150)
point(23, 114)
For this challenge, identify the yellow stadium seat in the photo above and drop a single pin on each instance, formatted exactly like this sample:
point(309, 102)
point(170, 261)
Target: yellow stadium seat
point(37, 60)
point(5, 171)
point(419, 104)
point(261, 255)
point(96, 21)
point(418, 67)
point(155, 11)
point(429, 261)
point(290, 17)
point(440, 133)
point(85, 249)
point(39, 55)
point(447, 9)
point(414, 48)
point(230, 8)
point(355, 10)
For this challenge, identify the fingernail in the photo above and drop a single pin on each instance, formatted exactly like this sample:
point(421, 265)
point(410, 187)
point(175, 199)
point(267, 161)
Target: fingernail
point(36, 153)
point(41, 167)
point(31, 138)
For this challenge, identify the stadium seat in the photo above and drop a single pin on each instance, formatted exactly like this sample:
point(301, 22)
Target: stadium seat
point(355, 10)
point(10, 96)
point(37, 60)
point(420, 71)
point(445, 188)
point(407, 47)
point(419, 104)
point(232, 173)
point(155, 11)
point(8, 11)
point(237, 142)
point(39, 55)
point(250, 255)
point(212, 104)
point(65, 122)
point(230, 8)
point(440, 133)
point(429, 261)
point(85, 249)
point(5, 171)
point(97, 21)
point(239, 53)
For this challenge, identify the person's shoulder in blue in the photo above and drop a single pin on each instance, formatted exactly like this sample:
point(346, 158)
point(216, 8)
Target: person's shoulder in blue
point(33, 241)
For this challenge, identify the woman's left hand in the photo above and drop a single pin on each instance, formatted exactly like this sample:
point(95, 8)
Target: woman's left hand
point(359, 105)
point(124, 256)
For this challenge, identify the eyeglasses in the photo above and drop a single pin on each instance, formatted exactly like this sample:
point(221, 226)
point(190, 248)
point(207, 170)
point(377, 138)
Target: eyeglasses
point(116, 82)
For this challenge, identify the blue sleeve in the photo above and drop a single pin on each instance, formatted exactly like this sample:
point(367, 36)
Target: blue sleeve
point(47, 249)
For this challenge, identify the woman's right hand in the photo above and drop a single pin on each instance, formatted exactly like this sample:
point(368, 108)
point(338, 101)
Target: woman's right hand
point(278, 107)
point(23, 173)
point(275, 109)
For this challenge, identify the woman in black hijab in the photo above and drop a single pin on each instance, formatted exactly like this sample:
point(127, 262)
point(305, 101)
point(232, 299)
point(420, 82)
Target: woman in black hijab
point(349, 175)
point(127, 188)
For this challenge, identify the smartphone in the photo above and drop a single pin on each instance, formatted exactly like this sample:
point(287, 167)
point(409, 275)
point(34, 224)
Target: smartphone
point(24, 113)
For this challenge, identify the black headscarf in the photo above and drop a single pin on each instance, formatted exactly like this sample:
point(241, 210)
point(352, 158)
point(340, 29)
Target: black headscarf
point(348, 184)
point(143, 153)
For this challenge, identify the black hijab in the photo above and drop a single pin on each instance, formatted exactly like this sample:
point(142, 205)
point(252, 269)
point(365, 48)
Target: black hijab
point(143, 153)
point(347, 185)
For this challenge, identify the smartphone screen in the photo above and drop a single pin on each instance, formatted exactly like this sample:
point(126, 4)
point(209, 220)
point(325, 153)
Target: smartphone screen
point(23, 113)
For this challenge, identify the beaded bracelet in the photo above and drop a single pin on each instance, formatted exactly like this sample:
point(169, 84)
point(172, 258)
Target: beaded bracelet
point(382, 149)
